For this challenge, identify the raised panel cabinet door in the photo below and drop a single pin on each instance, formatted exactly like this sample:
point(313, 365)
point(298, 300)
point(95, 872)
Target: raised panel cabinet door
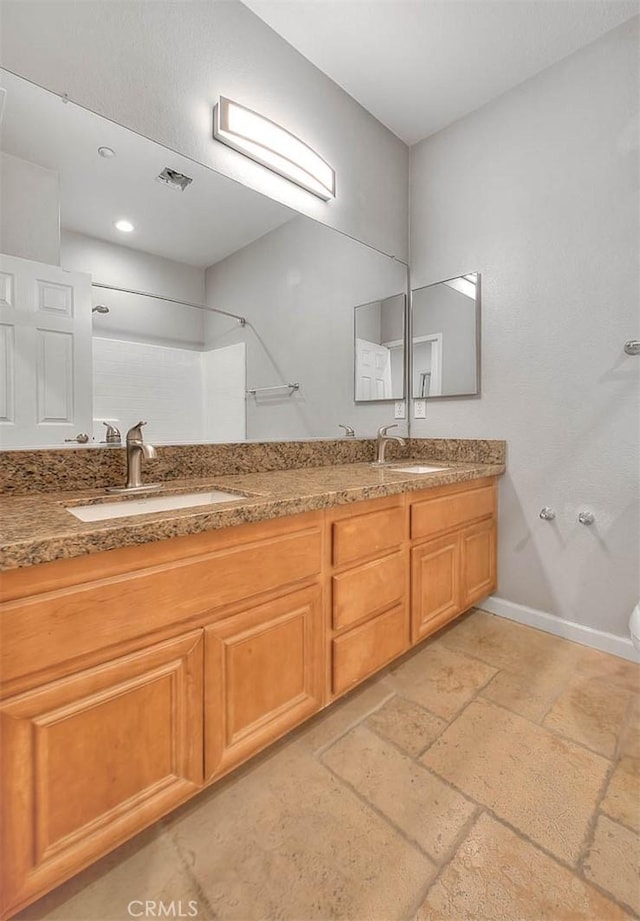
point(479, 570)
point(91, 759)
point(435, 585)
point(263, 675)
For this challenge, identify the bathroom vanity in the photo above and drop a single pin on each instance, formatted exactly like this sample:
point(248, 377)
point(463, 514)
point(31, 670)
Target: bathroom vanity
point(133, 678)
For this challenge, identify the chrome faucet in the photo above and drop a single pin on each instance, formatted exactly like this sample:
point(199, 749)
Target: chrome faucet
point(112, 436)
point(383, 441)
point(349, 431)
point(137, 448)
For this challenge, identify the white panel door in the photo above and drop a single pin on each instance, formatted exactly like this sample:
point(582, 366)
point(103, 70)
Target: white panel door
point(373, 371)
point(45, 353)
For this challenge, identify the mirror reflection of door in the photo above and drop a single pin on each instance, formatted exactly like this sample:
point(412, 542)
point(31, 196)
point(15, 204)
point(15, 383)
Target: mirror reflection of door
point(373, 371)
point(45, 346)
point(379, 350)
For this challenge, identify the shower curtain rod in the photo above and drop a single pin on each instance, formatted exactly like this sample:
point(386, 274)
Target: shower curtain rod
point(159, 297)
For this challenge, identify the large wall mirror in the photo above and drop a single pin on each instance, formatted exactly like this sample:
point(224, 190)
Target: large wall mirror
point(379, 347)
point(445, 338)
point(94, 214)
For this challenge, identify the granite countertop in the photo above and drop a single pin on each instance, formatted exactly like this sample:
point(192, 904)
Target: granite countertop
point(37, 528)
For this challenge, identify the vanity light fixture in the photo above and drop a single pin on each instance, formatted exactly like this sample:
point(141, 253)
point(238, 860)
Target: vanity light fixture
point(272, 146)
point(124, 226)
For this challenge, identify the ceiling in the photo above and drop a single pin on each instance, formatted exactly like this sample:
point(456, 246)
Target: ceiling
point(211, 219)
point(418, 65)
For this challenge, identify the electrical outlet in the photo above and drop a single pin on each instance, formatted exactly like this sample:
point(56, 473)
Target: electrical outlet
point(419, 409)
point(399, 410)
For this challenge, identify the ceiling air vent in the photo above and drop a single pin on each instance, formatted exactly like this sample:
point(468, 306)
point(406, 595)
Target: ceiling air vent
point(174, 179)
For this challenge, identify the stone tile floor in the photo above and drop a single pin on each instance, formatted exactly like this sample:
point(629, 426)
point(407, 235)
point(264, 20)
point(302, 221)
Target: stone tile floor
point(492, 775)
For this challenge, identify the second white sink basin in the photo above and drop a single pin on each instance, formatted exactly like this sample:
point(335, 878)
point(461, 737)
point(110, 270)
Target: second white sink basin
point(419, 468)
point(123, 508)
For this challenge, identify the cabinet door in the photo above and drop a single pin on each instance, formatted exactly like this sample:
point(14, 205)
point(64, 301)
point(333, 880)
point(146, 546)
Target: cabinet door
point(435, 585)
point(263, 676)
point(478, 546)
point(91, 759)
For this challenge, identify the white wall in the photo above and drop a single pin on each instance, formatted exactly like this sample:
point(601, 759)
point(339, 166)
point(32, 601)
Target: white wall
point(159, 67)
point(29, 210)
point(224, 393)
point(130, 316)
point(298, 286)
point(162, 385)
point(538, 191)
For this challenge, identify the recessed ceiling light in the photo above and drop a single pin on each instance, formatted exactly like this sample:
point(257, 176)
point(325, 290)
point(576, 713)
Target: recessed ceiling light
point(106, 152)
point(124, 226)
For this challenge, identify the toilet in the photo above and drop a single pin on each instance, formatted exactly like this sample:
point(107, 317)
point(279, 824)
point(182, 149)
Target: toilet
point(634, 626)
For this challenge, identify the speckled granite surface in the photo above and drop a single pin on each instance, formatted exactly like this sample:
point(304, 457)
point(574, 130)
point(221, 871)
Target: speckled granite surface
point(467, 450)
point(37, 528)
point(64, 469)
point(76, 468)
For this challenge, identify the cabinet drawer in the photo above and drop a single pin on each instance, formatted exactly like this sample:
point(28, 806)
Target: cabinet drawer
point(362, 592)
point(90, 760)
point(433, 516)
point(362, 536)
point(363, 650)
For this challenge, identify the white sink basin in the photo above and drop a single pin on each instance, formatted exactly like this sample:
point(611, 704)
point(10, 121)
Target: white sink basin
point(123, 508)
point(419, 468)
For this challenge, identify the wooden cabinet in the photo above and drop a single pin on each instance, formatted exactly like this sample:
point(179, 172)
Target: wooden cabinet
point(367, 648)
point(263, 676)
point(361, 533)
point(89, 760)
point(478, 554)
point(435, 585)
point(103, 684)
point(453, 555)
point(130, 679)
point(451, 507)
point(360, 593)
point(369, 590)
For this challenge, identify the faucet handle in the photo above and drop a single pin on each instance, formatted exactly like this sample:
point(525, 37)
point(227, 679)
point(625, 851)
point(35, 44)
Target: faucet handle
point(134, 433)
point(112, 435)
point(382, 431)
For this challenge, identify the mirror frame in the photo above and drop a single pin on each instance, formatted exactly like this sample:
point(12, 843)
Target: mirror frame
point(405, 328)
point(478, 338)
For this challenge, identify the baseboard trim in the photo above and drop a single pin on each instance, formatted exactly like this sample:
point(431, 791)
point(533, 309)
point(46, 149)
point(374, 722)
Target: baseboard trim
point(569, 630)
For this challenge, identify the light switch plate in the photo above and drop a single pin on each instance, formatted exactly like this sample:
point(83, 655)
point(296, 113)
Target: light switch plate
point(419, 409)
point(399, 410)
